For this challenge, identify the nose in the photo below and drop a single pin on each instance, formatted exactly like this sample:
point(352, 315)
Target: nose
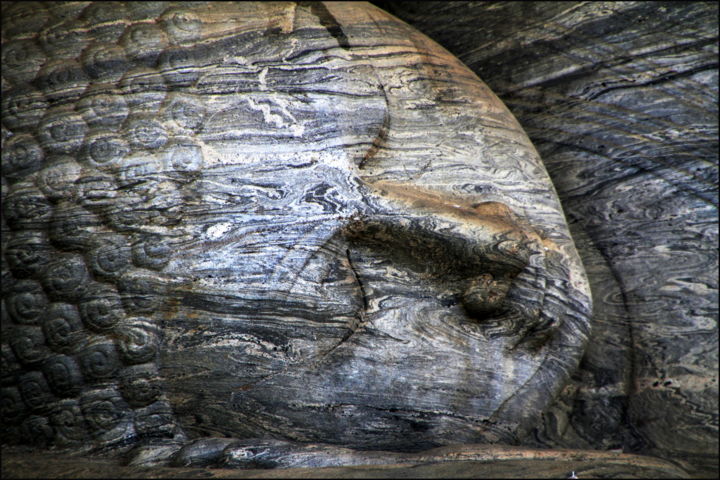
point(490, 258)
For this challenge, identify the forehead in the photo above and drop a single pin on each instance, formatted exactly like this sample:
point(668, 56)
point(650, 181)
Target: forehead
point(250, 88)
point(296, 104)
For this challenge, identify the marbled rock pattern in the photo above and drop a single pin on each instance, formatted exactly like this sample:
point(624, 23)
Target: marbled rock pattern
point(621, 101)
point(459, 461)
point(294, 220)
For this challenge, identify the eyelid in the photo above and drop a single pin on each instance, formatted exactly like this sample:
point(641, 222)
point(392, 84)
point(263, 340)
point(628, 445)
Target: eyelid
point(495, 217)
point(425, 199)
point(490, 215)
point(427, 226)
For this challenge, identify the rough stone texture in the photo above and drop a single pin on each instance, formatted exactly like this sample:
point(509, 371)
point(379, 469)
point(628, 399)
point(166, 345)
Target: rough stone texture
point(620, 98)
point(301, 221)
point(466, 461)
point(307, 221)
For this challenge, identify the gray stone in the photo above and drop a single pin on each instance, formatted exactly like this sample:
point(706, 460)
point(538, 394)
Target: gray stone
point(301, 225)
point(621, 101)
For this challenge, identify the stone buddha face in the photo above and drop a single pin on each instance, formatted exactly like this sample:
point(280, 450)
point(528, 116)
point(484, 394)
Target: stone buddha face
point(376, 255)
point(303, 222)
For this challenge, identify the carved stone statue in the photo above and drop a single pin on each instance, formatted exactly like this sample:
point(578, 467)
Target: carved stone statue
point(231, 226)
point(621, 101)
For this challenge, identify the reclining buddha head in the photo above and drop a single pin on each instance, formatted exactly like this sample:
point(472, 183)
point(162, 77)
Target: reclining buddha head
point(297, 221)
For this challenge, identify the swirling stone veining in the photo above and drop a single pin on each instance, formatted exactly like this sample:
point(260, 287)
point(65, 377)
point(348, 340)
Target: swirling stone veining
point(622, 104)
point(299, 220)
